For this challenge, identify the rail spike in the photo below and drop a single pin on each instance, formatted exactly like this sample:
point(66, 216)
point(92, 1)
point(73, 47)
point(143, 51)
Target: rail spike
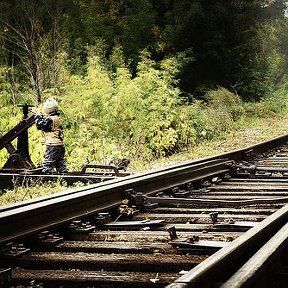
point(139, 200)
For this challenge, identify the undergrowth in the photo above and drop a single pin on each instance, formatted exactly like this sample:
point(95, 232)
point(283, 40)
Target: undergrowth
point(33, 190)
point(109, 113)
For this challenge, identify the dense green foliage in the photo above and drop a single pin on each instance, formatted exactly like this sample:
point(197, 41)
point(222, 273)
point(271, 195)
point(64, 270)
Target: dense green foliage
point(240, 45)
point(142, 78)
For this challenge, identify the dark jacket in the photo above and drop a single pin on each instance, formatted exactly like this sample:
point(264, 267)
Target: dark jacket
point(52, 131)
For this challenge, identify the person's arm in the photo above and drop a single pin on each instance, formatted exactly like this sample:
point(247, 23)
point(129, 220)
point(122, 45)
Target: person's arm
point(43, 123)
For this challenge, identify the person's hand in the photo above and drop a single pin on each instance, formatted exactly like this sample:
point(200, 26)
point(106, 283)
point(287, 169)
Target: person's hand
point(34, 111)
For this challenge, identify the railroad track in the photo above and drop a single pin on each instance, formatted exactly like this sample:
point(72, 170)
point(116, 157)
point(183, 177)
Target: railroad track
point(216, 222)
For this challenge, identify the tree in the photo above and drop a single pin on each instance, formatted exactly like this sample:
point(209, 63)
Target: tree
point(30, 31)
point(227, 39)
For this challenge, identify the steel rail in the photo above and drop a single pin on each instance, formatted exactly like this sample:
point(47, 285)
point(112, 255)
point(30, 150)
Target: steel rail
point(63, 207)
point(239, 154)
point(215, 202)
point(81, 202)
point(222, 264)
point(40, 215)
point(198, 167)
point(256, 267)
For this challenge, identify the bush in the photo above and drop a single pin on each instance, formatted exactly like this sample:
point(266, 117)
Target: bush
point(217, 114)
point(225, 102)
point(109, 113)
point(123, 116)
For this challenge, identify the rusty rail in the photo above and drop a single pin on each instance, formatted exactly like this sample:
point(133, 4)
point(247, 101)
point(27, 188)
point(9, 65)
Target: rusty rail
point(256, 269)
point(224, 263)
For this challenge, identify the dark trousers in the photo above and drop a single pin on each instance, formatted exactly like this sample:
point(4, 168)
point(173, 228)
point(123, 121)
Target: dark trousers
point(54, 158)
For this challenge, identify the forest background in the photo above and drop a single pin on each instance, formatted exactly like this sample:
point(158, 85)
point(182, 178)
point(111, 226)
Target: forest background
point(142, 79)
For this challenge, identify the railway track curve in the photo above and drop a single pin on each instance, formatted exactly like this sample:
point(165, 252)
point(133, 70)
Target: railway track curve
point(214, 222)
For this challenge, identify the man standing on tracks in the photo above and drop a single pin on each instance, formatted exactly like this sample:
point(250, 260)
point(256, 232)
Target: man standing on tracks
point(52, 136)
